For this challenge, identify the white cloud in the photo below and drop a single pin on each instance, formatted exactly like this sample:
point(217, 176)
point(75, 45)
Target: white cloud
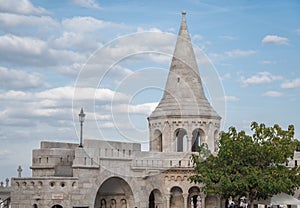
point(12, 79)
point(228, 99)
point(291, 84)
point(272, 94)
point(240, 53)
point(87, 24)
point(197, 37)
point(61, 93)
point(298, 31)
point(8, 20)
point(267, 62)
point(145, 108)
point(274, 39)
point(32, 51)
point(260, 78)
point(86, 3)
point(55, 105)
point(20, 7)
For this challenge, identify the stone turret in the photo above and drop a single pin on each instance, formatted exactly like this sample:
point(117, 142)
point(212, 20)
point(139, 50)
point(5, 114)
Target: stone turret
point(184, 118)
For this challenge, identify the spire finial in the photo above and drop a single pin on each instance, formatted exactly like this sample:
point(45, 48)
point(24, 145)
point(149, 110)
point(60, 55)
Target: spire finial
point(183, 12)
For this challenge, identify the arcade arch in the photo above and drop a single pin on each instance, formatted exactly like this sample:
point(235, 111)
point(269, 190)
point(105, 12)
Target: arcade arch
point(181, 140)
point(114, 192)
point(197, 139)
point(155, 199)
point(176, 198)
point(194, 197)
point(157, 141)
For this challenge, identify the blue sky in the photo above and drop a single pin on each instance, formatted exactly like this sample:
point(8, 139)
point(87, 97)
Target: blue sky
point(112, 58)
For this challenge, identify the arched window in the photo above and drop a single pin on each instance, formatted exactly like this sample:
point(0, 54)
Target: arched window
point(57, 206)
point(157, 141)
point(181, 140)
point(103, 203)
point(198, 138)
point(35, 206)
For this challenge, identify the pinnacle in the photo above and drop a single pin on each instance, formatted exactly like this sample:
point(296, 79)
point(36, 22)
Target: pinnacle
point(184, 94)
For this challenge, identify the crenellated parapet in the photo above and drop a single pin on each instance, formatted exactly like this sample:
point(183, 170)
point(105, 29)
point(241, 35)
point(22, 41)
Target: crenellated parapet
point(53, 159)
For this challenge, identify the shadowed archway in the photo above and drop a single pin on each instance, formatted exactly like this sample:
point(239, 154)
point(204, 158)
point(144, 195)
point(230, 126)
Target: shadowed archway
point(176, 200)
point(155, 199)
point(114, 192)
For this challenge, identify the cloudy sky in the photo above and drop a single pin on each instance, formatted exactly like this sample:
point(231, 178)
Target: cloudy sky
point(112, 58)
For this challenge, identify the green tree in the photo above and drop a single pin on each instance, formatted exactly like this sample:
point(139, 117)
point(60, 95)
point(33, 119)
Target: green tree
point(252, 166)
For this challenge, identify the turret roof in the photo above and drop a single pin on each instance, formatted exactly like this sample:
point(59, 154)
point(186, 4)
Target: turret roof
point(184, 95)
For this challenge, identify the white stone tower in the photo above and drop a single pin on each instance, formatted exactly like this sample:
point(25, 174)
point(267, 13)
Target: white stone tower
point(183, 119)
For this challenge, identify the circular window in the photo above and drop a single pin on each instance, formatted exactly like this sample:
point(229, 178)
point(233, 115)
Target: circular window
point(52, 184)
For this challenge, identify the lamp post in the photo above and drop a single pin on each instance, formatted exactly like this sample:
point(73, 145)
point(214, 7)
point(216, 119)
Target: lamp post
point(81, 120)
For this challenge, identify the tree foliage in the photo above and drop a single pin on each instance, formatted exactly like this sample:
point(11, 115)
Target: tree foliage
point(252, 166)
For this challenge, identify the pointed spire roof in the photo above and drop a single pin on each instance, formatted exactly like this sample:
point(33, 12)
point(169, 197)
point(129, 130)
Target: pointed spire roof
point(184, 95)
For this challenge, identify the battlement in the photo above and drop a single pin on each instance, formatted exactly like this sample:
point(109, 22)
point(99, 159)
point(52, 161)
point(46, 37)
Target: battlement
point(53, 159)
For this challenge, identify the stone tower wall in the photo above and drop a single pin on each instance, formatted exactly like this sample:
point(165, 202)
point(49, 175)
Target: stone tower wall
point(209, 129)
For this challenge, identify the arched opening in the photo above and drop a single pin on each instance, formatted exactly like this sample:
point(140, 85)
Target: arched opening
point(157, 141)
point(181, 140)
point(194, 198)
point(151, 200)
point(155, 199)
point(176, 199)
point(35, 206)
point(114, 192)
point(57, 206)
point(198, 138)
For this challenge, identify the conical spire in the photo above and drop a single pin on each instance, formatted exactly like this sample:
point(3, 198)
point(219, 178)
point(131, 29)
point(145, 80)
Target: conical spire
point(184, 95)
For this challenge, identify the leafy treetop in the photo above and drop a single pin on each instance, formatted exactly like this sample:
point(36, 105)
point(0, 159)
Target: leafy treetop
point(252, 166)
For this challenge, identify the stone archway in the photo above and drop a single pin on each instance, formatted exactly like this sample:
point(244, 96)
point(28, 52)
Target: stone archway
point(157, 141)
point(197, 139)
point(176, 200)
point(155, 199)
point(115, 192)
point(181, 140)
point(194, 198)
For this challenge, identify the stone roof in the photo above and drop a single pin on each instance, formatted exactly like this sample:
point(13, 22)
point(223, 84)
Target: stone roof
point(184, 95)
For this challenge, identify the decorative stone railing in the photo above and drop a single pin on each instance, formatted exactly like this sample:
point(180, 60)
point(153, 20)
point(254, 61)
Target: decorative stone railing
point(162, 164)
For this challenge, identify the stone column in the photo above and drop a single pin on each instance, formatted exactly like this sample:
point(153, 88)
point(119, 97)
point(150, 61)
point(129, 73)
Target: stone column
point(203, 200)
point(185, 200)
point(189, 143)
point(168, 196)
